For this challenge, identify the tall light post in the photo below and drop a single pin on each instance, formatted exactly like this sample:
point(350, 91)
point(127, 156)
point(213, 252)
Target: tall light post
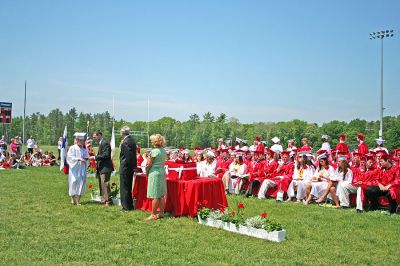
point(380, 35)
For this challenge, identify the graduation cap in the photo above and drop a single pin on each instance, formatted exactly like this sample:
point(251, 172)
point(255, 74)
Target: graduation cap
point(361, 136)
point(325, 137)
point(210, 153)
point(275, 140)
point(80, 135)
point(269, 151)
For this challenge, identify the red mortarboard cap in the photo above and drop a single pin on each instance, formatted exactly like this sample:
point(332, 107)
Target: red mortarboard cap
point(387, 156)
point(381, 152)
point(285, 153)
point(257, 138)
point(269, 151)
point(361, 136)
point(343, 136)
point(356, 154)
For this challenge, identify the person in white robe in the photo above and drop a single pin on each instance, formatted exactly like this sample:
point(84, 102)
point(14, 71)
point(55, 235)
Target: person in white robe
point(325, 144)
point(77, 159)
point(207, 167)
point(320, 179)
point(236, 170)
point(277, 147)
point(302, 175)
point(342, 174)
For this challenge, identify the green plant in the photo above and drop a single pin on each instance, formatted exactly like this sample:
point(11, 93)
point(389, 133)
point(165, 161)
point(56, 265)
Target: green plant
point(204, 213)
point(271, 226)
point(114, 190)
point(90, 170)
point(255, 222)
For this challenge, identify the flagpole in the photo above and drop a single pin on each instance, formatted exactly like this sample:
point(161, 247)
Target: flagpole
point(23, 123)
point(112, 141)
point(148, 122)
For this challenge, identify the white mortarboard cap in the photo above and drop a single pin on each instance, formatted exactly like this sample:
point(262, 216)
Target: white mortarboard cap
point(264, 142)
point(322, 156)
point(220, 139)
point(275, 139)
point(186, 151)
point(210, 153)
point(244, 141)
point(324, 136)
point(228, 141)
point(290, 140)
point(252, 148)
point(80, 135)
point(379, 141)
point(244, 148)
point(238, 140)
point(342, 158)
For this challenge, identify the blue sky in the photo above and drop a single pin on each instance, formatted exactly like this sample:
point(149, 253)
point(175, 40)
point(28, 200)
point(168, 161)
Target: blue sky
point(253, 60)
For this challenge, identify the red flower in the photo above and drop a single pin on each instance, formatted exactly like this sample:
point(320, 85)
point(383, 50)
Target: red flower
point(90, 186)
point(241, 206)
point(264, 215)
point(233, 213)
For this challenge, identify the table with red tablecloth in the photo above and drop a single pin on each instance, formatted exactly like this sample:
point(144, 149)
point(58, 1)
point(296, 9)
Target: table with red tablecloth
point(184, 197)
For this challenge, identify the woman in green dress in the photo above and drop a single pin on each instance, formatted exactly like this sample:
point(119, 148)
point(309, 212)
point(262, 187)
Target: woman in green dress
point(157, 184)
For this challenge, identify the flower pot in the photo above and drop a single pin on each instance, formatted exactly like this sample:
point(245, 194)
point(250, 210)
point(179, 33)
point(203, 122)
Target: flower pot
point(95, 197)
point(116, 201)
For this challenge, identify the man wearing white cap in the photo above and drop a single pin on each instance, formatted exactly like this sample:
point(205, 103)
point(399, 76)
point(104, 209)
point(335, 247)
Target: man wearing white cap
point(325, 144)
point(77, 159)
point(379, 147)
point(277, 147)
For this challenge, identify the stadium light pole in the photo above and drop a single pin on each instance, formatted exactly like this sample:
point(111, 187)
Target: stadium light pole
point(381, 35)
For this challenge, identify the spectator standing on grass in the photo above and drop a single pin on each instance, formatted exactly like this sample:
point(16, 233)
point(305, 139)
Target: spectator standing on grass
point(104, 167)
point(59, 146)
point(13, 146)
point(30, 143)
point(19, 144)
point(127, 166)
point(3, 144)
point(157, 184)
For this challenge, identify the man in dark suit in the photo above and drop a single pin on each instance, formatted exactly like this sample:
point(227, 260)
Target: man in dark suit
point(104, 167)
point(127, 166)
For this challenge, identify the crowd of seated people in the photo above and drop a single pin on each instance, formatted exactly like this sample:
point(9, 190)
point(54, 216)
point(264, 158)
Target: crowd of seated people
point(14, 159)
point(364, 178)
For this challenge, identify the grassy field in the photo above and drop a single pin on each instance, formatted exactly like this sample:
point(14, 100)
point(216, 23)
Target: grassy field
point(39, 226)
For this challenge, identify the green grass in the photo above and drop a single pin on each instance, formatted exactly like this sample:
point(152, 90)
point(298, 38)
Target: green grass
point(39, 226)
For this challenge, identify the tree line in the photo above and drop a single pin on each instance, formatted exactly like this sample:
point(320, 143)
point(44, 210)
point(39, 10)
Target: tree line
point(202, 130)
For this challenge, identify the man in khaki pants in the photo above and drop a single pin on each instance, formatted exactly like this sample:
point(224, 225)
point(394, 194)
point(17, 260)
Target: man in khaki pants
point(104, 167)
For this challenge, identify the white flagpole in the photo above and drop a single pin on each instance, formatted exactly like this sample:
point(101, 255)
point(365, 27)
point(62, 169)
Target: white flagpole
point(112, 142)
point(148, 122)
point(23, 124)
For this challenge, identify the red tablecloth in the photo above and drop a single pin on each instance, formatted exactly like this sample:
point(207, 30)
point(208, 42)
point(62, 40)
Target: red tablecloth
point(184, 197)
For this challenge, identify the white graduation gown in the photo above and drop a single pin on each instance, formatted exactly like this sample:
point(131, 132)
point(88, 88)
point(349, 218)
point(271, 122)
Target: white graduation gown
point(77, 170)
